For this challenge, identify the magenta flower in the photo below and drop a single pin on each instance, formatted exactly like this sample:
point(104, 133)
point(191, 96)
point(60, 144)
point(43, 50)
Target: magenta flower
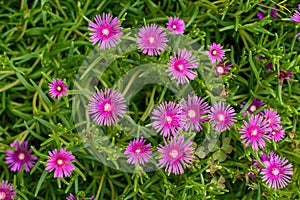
point(284, 75)
point(221, 116)
point(106, 107)
point(138, 152)
point(256, 104)
point(277, 174)
point(265, 159)
point(105, 31)
point(193, 110)
point(260, 15)
point(272, 118)
point(57, 88)
point(176, 25)
point(254, 132)
point(277, 133)
point(215, 53)
point(152, 39)
point(273, 12)
point(180, 65)
point(175, 154)
point(296, 16)
point(167, 118)
point(7, 191)
point(20, 157)
point(222, 68)
point(60, 161)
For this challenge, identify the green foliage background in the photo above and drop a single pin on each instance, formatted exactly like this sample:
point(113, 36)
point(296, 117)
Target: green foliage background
point(42, 39)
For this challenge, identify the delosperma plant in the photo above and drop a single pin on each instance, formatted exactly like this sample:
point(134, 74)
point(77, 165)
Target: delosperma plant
point(149, 100)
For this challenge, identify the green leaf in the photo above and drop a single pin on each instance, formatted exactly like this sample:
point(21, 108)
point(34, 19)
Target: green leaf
point(42, 178)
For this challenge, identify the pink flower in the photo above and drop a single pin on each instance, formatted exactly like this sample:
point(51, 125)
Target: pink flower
point(57, 88)
point(176, 25)
point(20, 157)
point(284, 75)
point(222, 68)
point(221, 116)
point(277, 173)
point(72, 197)
point(138, 152)
point(60, 161)
point(180, 65)
point(105, 31)
point(167, 118)
point(277, 133)
point(272, 118)
point(215, 52)
point(175, 154)
point(106, 107)
point(296, 16)
point(7, 191)
point(152, 39)
point(256, 104)
point(254, 132)
point(193, 110)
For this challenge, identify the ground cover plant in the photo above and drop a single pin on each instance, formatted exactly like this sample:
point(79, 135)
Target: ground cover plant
point(149, 99)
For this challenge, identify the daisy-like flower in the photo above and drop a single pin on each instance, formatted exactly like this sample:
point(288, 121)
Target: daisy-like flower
point(7, 191)
point(277, 133)
point(215, 53)
point(277, 174)
point(152, 39)
point(265, 159)
point(284, 75)
point(175, 154)
point(60, 161)
point(72, 197)
point(138, 152)
point(106, 107)
point(254, 132)
point(256, 104)
point(193, 110)
point(57, 88)
point(222, 68)
point(167, 118)
point(272, 118)
point(105, 31)
point(20, 157)
point(180, 65)
point(221, 116)
point(176, 25)
point(296, 16)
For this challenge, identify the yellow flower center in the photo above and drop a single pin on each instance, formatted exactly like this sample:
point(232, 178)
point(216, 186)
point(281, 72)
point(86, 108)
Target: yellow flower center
point(252, 108)
point(58, 88)
point(174, 26)
point(137, 150)
point(214, 52)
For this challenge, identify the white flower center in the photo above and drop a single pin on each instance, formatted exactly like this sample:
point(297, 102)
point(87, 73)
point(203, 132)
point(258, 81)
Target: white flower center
point(220, 70)
point(275, 171)
point(59, 161)
point(254, 132)
point(151, 40)
point(191, 113)
point(168, 119)
point(21, 156)
point(174, 26)
point(273, 133)
point(252, 108)
point(138, 150)
point(270, 121)
point(2, 195)
point(173, 153)
point(221, 117)
point(58, 88)
point(214, 52)
point(105, 31)
point(107, 107)
point(180, 67)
